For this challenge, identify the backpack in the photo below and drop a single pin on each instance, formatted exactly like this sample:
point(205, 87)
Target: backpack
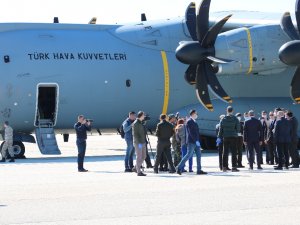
point(121, 131)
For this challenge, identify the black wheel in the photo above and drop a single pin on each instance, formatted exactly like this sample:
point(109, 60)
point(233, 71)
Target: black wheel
point(19, 149)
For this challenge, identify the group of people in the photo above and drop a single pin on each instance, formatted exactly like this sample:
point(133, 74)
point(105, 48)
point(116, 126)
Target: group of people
point(183, 136)
point(276, 134)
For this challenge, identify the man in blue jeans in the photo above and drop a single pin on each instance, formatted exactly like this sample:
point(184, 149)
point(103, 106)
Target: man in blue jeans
point(193, 143)
point(81, 127)
point(127, 127)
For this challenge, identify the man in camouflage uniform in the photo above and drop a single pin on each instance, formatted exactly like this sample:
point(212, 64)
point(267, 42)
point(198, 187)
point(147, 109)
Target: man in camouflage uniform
point(175, 144)
point(8, 137)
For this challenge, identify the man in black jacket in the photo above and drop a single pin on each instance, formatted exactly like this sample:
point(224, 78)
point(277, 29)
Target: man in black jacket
point(253, 138)
point(293, 150)
point(282, 138)
point(81, 127)
point(164, 131)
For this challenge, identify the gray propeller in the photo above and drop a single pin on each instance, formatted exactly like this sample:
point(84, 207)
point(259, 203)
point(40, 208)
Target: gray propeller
point(200, 54)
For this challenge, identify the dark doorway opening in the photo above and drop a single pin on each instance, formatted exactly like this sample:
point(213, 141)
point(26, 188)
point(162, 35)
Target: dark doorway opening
point(47, 104)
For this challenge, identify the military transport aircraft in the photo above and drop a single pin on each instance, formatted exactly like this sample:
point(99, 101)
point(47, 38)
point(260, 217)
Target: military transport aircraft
point(50, 73)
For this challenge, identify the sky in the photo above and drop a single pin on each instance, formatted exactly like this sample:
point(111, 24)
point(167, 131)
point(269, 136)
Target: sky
point(121, 11)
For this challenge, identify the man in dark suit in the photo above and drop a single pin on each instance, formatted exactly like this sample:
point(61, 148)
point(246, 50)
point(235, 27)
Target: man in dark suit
point(293, 150)
point(270, 140)
point(193, 143)
point(264, 147)
point(164, 131)
point(253, 137)
point(282, 138)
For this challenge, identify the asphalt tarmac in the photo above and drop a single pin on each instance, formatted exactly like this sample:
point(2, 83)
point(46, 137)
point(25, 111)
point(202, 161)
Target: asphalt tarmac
point(49, 190)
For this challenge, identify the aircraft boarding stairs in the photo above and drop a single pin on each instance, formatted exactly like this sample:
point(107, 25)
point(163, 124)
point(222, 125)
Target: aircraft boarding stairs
point(46, 138)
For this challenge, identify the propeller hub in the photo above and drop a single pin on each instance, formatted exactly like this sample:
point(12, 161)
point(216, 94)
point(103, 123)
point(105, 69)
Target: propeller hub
point(192, 52)
point(289, 53)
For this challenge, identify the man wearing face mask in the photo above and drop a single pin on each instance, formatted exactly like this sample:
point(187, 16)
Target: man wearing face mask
point(229, 129)
point(270, 139)
point(240, 142)
point(264, 147)
point(193, 143)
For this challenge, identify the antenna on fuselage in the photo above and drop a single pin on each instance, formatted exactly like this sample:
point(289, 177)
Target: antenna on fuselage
point(143, 17)
point(55, 20)
point(93, 20)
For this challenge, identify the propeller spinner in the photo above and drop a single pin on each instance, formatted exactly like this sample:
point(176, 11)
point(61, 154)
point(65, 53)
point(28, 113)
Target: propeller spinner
point(200, 54)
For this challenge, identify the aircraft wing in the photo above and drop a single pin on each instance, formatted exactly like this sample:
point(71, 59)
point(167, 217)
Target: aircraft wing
point(245, 18)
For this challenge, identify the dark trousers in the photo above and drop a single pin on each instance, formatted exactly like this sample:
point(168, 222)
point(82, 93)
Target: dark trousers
point(81, 146)
point(164, 147)
point(271, 153)
point(239, 150)
point(163, 162)
point(293, 150)
point(220, 149)
point(254, 146)
point(283, 154)
point(263, 147)
point(230, 144)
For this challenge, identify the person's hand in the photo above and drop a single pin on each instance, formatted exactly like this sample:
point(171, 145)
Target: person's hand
point(218, 141)
point(84, 121)
point(88, 123)
point(140, 146)
point(197, 143)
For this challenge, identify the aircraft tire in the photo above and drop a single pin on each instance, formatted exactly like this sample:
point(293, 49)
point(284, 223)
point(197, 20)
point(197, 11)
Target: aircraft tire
point(19, 149)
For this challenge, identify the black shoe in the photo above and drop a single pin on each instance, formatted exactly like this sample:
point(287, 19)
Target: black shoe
point(12, 160)
point(259, 168)
point(172, 171)
point(2, 160)
point(128, 170)
point(134, 170)
point(150, 167)
point(165, 169)
point(178, 172)
point(294, 166)
point(160, 169)
point(82, 170)
point(140, 174)
point(201, 172)
point(251, 168)
point(240, 166)
point(235, 170)
point(278, 168)
point(191, 171)
point(155, 171)
point(184, 171)
point(227, 168)
point(286, 167)
point(224, 169)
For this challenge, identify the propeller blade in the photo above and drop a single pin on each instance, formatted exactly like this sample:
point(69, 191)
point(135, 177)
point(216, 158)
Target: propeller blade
point(218, 60)
point(297, 12)
point(201, 87)
point(288, 27)
point(295, 86)
point(190, 74)
point(190, 17)
point(203, 20)
point(211, 36)
point(215, 86)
